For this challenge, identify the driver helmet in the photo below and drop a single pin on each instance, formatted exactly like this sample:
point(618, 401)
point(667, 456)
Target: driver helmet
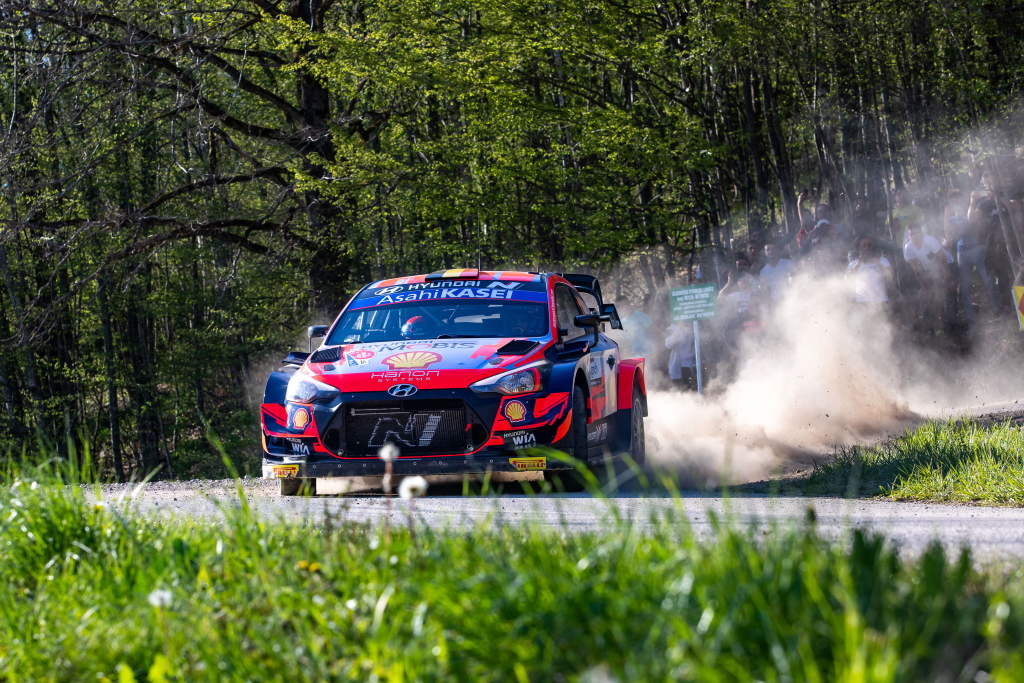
point(415, 326)
point(519, 322)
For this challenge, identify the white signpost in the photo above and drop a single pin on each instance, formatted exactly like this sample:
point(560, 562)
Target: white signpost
point(696, 302)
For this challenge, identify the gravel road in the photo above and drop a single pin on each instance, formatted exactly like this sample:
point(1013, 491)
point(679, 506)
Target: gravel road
point(996, 533)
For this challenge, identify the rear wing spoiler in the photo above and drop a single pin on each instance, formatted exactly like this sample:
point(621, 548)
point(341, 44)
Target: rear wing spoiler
point(590, 285)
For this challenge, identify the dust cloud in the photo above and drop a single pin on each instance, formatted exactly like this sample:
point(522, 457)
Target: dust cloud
point(825, 372)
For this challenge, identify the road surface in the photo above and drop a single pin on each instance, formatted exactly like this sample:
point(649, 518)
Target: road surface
point(992, 533)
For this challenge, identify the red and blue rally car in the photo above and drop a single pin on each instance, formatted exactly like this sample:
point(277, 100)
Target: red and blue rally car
point(464, 371)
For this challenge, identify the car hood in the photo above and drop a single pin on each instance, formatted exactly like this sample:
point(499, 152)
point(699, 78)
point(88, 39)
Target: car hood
point(433, 364)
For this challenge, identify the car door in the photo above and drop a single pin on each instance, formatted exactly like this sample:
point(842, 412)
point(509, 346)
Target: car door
point(603, 375)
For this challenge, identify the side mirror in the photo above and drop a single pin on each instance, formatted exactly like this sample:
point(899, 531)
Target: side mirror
point(315, 332)
point(611, 315)
point(591, 320)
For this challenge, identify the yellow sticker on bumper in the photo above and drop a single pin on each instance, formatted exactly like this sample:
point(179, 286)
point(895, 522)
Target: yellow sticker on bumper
point(522, 464)
point(285, 471)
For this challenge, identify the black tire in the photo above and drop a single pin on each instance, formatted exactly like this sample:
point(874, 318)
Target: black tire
point(570, 480)
point(637, 435)
point(297, 487)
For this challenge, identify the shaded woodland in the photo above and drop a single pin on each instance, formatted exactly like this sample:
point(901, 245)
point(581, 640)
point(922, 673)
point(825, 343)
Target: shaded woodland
point(187, 184)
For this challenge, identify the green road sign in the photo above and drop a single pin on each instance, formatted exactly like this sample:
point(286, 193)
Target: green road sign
point(696, 302)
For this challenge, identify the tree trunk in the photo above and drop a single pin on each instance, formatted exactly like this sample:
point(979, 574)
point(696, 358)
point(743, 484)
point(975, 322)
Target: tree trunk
point(108, 364)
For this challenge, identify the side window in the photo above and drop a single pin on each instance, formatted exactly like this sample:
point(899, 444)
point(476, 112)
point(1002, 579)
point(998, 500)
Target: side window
point(590, 302)
point(567, 309)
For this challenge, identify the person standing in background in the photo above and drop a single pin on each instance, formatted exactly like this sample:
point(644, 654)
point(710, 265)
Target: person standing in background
point(776, 273)
point(905, 214)
point(862, 222)
point(871, 273)
point(682, 359)
point(930, 264)
point(971, 242)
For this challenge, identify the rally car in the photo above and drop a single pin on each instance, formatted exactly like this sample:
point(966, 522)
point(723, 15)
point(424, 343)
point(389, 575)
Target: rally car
point(464, 371)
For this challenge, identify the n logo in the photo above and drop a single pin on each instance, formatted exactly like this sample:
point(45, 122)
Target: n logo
point(405, 434)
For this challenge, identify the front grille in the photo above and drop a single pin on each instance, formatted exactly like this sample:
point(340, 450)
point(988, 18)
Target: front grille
point(416, 427)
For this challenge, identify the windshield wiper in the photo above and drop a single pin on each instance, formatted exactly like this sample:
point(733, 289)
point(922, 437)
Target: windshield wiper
point(458, 336)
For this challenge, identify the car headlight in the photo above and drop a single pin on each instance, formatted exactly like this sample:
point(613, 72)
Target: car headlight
point(519, 381)
point(302, 389)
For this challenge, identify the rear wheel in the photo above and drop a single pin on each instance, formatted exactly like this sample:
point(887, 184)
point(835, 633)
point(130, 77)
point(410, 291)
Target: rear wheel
point(570, 480)
point(297, 487)
point(637, 437)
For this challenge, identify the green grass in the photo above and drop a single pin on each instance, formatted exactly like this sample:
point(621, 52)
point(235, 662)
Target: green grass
point(250, 600)
point(955, 461)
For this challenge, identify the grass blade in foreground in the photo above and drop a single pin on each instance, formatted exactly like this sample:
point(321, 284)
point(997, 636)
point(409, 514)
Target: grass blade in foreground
point(96, 594)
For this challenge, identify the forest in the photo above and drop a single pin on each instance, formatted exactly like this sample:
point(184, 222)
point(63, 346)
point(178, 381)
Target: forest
point(187, 185)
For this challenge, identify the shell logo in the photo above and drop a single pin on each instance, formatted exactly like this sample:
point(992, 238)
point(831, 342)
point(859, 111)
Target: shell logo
point(411, 360)
point(515, 411)
point(300, 418)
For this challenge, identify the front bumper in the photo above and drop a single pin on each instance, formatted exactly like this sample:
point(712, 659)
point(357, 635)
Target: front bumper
point(374, 467)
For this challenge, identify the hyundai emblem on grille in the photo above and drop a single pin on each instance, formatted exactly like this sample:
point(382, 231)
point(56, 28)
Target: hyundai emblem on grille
point(402, 390)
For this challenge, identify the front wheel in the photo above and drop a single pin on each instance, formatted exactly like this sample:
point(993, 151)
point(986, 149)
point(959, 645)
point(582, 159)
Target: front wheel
point(570, 481)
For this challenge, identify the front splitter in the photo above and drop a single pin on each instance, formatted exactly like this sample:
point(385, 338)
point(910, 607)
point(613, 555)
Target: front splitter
point(374, 467)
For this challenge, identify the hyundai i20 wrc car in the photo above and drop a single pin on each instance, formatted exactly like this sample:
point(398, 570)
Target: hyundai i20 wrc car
point(464, 371)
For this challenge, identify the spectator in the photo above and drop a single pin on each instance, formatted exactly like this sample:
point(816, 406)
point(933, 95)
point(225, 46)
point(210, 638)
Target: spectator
point(776, 273)
point(824, 213)
point(735, 296)
point(905, 215)
point(930, 262)
point(806, 216)
point(748, 325)
point(682, 359)
point(826, 248)
point(973, 230)
point(754, 256)
point(743, 265)
point(862, 222)
point(871, 274)
point(636, 326)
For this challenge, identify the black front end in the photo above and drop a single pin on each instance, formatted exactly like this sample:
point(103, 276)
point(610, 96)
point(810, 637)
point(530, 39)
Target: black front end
point(437, 432)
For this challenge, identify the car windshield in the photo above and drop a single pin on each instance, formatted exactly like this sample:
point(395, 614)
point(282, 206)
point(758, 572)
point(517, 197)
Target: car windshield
point(440, 320)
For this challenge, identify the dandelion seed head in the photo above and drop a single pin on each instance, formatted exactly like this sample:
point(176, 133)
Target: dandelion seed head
point(160, 598)
point(412, 487)
point(388, 452)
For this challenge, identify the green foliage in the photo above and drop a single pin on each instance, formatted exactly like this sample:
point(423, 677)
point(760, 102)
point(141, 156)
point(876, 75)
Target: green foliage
point(225, 172)
point(955, 461)
point(98, 592)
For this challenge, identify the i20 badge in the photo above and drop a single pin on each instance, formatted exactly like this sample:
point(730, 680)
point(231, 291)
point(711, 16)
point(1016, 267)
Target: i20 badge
point(402, 390)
